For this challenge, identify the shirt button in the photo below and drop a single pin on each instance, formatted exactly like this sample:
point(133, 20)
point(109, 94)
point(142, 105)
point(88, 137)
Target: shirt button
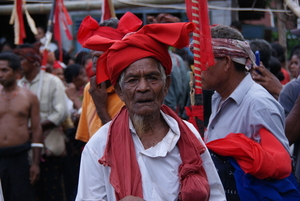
point(212, 127)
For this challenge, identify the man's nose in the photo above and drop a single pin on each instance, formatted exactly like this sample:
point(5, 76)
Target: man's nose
point(143, 85)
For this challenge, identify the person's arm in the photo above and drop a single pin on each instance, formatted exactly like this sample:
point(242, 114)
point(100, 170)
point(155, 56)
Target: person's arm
point(267, 80)
point(59, 109)
point(36, 137)
point(99, 96)
point(72, 94)
point(292, 127)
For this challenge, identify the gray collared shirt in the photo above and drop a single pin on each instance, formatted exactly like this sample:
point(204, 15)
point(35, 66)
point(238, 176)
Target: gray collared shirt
point(249, 108)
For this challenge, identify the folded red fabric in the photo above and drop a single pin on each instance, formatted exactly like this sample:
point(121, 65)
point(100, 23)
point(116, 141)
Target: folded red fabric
point(267, 159)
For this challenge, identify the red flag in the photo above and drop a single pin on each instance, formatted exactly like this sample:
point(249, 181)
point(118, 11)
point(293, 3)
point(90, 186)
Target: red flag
point(197, 12)
point(107, 10)
point(61, 20)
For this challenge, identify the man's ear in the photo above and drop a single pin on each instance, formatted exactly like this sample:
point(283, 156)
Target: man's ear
point(228, 62)
point(119, 92)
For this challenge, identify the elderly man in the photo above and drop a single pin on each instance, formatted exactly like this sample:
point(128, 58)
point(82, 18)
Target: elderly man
point(146, 152)
point(246, 123)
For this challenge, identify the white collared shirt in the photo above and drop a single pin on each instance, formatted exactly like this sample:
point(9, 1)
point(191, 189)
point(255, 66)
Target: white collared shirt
point(158, 166)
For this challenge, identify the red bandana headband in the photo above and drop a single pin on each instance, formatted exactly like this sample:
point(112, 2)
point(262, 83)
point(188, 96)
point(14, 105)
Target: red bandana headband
point(31, 54)
point(238, 50)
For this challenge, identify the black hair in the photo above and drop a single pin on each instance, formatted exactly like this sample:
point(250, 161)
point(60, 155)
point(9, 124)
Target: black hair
point(264, 49)
point(13, 60)
point(72, 71)
point(278, 52)
point(65, 56)
point(82, 57)
point(275, 68)
point(295, 51)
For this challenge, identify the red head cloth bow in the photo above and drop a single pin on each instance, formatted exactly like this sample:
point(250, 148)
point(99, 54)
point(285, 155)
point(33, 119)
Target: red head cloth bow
point(89, 27)
point(150, 41)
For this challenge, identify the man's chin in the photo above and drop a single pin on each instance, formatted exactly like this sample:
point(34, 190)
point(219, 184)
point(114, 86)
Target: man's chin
point(146, 109)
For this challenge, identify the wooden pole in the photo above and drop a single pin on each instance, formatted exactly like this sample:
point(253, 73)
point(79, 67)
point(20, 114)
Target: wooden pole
point(281, 22)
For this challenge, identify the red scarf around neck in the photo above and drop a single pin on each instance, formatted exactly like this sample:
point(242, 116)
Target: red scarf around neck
point(125, 174)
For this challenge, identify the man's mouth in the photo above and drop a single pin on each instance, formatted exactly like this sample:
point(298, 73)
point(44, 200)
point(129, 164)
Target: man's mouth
point(144, 101)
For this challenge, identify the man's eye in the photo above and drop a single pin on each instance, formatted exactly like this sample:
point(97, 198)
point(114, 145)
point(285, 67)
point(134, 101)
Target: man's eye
point(132, 80)
point(153, 78)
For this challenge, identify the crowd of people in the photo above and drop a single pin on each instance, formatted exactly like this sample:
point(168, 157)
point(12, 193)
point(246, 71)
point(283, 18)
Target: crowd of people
point(110, 124)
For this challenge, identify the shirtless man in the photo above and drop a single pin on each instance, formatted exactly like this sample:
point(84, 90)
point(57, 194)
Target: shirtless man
point(17, 107)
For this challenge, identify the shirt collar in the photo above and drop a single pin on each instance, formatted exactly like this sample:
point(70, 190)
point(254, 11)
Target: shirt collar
point(36, 79)
point(169, 120)
point(167, 144)
point(240, 91)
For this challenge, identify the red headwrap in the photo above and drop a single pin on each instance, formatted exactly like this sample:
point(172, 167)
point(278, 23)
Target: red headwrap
point(90, 27)
point(32, 54)
point(150, 41)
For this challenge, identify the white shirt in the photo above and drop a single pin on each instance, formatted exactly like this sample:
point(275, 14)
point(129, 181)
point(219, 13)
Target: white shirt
point(158, 166)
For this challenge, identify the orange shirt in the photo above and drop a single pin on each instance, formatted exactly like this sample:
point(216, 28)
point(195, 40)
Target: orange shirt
point(89, 121)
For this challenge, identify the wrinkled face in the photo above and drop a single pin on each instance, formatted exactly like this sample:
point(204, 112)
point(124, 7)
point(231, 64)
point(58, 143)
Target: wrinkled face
point(143, 88)
point(294, 66)
point(212, 77)
point(7, 75)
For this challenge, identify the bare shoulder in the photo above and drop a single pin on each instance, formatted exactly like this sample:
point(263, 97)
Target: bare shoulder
point(28, 94)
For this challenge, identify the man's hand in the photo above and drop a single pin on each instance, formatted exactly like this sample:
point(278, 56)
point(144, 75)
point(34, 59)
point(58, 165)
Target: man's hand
point(34, 173)
point(264, 77)
point(132, 198)
point(71, 91)
point(99, 96)
point(98, 92)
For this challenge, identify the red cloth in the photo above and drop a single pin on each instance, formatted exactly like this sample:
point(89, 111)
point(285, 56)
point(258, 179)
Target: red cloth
point(193, 112)
point(57, 65)
point(89, 70)
point(61, 20)
point(107, 13)
point(22, 31)
point(32, 54)
point(152, 40)
point(267, 159)
point(287, 75)
point(125, 175)
point(89, 27)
